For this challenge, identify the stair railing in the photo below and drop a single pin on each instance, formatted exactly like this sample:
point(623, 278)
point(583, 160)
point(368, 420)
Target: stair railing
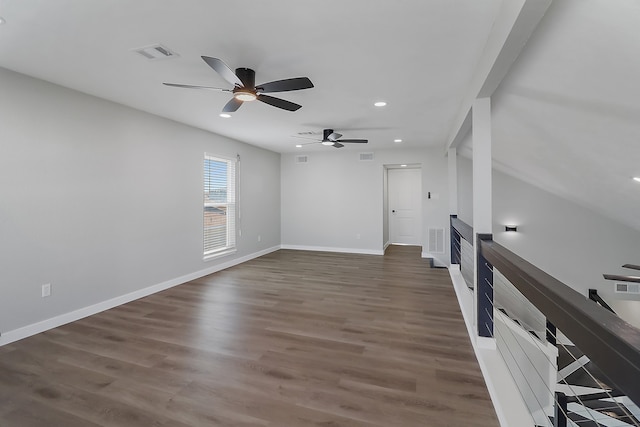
point(594, 296)
point(551, 313)
point(462, 248)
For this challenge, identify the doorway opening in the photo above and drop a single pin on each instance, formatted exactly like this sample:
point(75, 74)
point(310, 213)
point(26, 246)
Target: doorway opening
point(402, 205)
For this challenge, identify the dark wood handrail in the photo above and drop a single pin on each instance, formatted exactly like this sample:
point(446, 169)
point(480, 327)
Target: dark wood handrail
point(463, 229)
point(610, 342)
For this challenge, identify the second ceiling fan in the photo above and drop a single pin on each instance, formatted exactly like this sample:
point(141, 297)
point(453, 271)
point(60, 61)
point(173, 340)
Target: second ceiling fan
point(245, 88)
point(333, 139)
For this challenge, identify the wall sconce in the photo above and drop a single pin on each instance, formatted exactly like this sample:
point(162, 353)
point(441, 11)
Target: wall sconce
point(510, 228)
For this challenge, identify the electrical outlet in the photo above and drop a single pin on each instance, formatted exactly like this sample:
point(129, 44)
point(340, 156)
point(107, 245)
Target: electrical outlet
point(46, 290)
point(358, 236)
point(259, 238)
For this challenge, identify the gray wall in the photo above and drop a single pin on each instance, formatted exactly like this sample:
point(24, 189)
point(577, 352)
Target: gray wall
point(568, 241)
point(334, 197)
point(101, 200)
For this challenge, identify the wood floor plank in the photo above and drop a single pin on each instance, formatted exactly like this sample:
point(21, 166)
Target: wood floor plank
point(290, 339)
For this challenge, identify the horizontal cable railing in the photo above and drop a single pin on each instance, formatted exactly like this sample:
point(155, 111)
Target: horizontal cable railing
point(594, 346)
point(465, 230)
point(462, 248)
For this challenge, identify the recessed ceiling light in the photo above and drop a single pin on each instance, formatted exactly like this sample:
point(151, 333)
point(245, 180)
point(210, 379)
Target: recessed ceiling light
point(403, 166)
point(636, 178)
point(298, 146)
point(225, 115)
point(380, 104)
point(2, 21)
point(397, 141)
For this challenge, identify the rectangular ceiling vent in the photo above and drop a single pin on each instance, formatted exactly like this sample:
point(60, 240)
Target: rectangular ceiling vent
point(156, 51)
point(302, 159)
point(366, 157)
point(627, 288)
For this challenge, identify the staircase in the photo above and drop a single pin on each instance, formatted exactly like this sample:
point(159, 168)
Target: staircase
point(592, 400)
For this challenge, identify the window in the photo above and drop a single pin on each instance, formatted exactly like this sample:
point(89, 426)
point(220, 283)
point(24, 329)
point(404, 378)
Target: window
point(219, 206)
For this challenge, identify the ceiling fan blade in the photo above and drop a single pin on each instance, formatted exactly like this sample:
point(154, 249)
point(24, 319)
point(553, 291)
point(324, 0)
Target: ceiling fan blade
point(334, 136)
point(634, 279)
point(356, 141)
point(285, 85)
point(196, 87)
point(223, 69)
point(232, 106)
point(631, 266)
point(338, 145)
point(280, 103)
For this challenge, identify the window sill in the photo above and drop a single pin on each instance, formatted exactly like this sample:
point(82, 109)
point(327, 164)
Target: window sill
point(220, 254)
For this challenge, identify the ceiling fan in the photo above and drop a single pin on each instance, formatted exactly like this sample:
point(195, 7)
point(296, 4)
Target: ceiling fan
point(245, 88)
point(331, 138)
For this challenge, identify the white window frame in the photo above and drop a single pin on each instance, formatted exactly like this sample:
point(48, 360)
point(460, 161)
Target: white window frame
point(225, 242)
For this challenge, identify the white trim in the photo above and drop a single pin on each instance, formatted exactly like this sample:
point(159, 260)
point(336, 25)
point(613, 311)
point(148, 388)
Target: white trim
point(219, 254)
point(436, 261)
point(330, 249)
point(72, 316)
point(510, 408)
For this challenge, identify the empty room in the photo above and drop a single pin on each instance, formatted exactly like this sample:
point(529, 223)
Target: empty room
point(321, 213)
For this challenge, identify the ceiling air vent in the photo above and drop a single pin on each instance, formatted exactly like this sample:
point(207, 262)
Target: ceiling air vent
point(627, 288)
point(366, 157)
point(156, 51)
point(302, 159)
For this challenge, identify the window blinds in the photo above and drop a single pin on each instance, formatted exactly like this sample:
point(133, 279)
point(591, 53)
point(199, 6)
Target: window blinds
point(219, 205)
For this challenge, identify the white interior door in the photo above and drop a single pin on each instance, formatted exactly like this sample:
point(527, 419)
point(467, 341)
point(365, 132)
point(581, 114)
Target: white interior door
point(405, 207)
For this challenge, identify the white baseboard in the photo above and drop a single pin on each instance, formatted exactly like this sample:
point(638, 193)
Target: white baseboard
point(436, 260)
point(510, 408)
point(62, 319)
point(330, 249)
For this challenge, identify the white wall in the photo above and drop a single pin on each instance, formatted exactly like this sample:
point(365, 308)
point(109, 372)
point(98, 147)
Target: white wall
point(332, 198)
point(101, 200)
point(566, 240)
point(465, 189)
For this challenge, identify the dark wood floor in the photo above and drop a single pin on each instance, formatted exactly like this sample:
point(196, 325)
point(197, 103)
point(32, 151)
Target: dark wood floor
point(289, 339)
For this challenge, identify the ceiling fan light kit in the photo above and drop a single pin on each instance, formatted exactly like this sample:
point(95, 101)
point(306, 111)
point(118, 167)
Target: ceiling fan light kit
point(246, 90)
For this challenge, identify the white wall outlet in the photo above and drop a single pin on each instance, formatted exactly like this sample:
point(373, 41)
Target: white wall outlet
point(259, 238)
point(358, 236)
point(46, 290)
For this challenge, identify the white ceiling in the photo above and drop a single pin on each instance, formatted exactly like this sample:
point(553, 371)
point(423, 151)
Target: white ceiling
point(417, 55)
point(566, 117)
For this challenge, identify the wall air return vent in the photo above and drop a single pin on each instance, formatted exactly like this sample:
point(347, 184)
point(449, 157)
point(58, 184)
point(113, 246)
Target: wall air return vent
point(435, 240)
point(302, 159)
point(366, 157)
point(156, 51)
point(627, 288)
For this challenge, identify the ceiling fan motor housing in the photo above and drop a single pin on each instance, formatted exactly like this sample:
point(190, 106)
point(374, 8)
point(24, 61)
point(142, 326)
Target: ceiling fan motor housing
point(247, 76)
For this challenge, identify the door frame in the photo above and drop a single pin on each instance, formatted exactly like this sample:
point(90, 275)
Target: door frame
point(386, 231)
